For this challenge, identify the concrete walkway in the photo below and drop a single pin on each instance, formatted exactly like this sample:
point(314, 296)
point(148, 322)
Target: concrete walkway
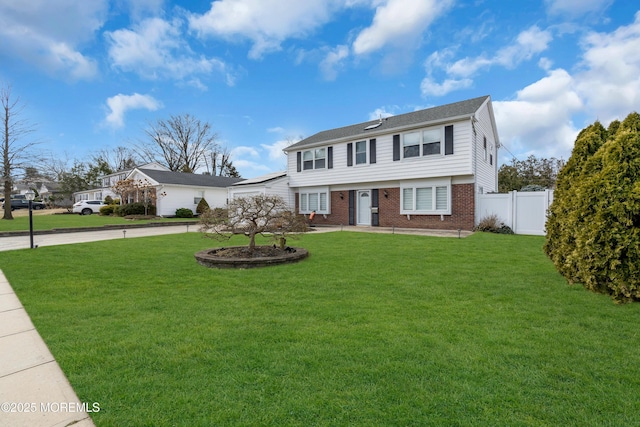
point(22, 242)
point(34, 392)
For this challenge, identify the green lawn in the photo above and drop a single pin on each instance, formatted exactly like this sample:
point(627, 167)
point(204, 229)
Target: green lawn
point(49, 222)
point(370, 330)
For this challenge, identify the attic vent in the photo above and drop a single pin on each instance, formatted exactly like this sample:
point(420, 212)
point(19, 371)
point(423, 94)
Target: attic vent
point(373, 126)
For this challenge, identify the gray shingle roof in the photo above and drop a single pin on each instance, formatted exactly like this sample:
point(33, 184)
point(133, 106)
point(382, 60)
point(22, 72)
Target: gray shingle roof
point(179, 178)
point(443, 112)
point(263, 178)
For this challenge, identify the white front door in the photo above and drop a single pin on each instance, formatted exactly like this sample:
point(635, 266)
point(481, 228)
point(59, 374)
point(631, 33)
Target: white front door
point(364, 207)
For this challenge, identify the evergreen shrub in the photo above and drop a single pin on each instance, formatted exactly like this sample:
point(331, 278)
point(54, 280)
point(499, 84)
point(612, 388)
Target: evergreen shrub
point(135, 209)
point(107, 210)
point(202, 206)
point(184, 213)
point(593, 229)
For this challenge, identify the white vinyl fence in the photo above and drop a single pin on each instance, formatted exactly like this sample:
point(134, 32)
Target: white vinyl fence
point(524, 212)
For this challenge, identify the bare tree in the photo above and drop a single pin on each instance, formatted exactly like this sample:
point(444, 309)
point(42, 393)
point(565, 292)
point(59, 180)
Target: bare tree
point(218, 162)
point(54, 166)
point(118, 159)
point(16, 152)
point(260, 214)
point(181, 143)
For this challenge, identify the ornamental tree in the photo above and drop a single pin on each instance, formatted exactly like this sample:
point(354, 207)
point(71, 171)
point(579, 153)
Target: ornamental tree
point(253, 215)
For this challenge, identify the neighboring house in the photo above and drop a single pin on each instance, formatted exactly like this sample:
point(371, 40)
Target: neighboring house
point(107, 183)
point(174, 190)
point(50, 193)
point(418, 170)
point(273, 184)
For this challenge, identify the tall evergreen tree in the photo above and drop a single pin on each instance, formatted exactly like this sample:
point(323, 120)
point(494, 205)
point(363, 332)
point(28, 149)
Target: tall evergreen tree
point(593, 231)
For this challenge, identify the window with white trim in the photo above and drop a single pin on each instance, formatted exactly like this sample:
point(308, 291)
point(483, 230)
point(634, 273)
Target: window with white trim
point(426, 198)
point(314, 159)
point(198, 196)
point(361, 152)
point(411, 144)
point(422, 143)
point(314, 200)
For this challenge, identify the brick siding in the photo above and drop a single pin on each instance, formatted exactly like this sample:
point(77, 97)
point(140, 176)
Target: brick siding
point(462, 210)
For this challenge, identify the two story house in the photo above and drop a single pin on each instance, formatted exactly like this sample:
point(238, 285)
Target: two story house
point(416, 170)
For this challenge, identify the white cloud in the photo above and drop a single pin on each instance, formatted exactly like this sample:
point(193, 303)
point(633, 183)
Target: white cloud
point(275, 150)
point(528, 43)
point(47, 34)
point(140, 8)
point(397, 22)
point(459, 73)
point(382, 112)
point(120, 104)
point(332, 61)
point(545, 117)
point(243, 151)
point(266, 23)
point(609, 79)
point(155, 48)
point(576, 7)
point(539, 120)
point(429, 87)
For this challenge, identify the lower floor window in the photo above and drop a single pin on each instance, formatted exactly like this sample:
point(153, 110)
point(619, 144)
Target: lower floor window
point(314, 201)
point(426, 199)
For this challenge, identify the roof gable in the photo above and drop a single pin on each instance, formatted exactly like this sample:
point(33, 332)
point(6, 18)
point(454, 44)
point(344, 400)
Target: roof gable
point(365, 129)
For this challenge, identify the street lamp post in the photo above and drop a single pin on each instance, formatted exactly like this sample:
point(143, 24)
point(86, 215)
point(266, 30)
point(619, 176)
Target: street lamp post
point(30, 195)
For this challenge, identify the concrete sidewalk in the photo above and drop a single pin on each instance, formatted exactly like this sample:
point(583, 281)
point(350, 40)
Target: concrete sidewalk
point(22, 242)
point(34, 391)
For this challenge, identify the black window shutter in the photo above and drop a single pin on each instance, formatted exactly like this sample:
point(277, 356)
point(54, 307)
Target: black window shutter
point(372, 150)
point(396, 147)
point(448, 139)
point(375, 218)
point(299, 160)
point(330, 158)
point(352, 207)
point(350, 154)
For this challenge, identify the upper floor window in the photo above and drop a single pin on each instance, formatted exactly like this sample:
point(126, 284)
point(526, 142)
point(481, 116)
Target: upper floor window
point(314, 159)
point(411, 144)
point(361, 152)
point(484, 147)
point(431, 142)
point(424, 142)
point(365, 152)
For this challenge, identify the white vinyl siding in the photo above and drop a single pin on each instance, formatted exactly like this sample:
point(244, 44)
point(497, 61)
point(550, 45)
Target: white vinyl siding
point(485, 160)
point(431, 166)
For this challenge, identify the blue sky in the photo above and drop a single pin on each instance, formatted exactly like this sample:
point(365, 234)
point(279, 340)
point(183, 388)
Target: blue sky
point(266, 73)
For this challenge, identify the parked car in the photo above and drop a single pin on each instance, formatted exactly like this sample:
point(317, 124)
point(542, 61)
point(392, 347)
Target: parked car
point(24, 204)
point(87, 207)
